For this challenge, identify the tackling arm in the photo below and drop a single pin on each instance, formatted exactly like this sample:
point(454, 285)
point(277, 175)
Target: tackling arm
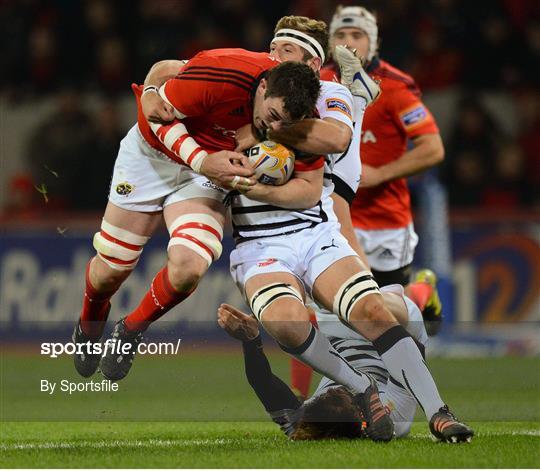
point(315, 136)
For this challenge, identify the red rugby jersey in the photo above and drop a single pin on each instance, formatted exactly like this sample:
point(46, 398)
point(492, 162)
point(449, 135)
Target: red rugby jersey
point(396, 116)
point(214, 91)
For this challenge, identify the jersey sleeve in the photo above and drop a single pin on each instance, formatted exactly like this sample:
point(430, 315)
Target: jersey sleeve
point(336, 103)
point(409, 113)
point(308, 164)
point(346, 173)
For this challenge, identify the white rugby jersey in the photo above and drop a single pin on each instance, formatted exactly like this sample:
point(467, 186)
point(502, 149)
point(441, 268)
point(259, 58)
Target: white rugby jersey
point(253, 219)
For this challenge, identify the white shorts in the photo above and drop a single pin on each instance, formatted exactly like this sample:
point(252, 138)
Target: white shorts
point(388, 249)
point(146, 180)
point(305, 254)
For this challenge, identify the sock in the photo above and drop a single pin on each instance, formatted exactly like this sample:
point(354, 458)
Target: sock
point(404, 362)
point(301, 374)
point(317, 352)
point(95, 308)
point(419, 293)
point(160, 298)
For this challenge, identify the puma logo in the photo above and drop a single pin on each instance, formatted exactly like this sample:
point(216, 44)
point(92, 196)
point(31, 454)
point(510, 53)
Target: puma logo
point(325, 247)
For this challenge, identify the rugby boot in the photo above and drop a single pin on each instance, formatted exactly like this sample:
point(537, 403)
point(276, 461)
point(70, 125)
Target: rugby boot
point(380, 427)
point(447, 428)
point(115, 363)
point(353, 75)
point(432, 312)
point(85, 360)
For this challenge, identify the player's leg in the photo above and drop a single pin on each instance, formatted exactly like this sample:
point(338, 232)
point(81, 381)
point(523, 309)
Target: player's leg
point(119, 244)
point(301, 374)
point(349, 289)
point(276, 300)
point(196, 229)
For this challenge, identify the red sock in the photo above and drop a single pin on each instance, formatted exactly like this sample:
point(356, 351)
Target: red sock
point(419, 294)
point(301, 374)
point(95, 308)
point(160, 298)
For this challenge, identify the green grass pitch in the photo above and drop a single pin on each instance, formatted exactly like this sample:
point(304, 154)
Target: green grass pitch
point(196, 410)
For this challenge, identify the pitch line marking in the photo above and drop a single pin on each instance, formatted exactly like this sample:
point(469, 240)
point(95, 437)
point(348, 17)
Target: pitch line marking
point(112, 444)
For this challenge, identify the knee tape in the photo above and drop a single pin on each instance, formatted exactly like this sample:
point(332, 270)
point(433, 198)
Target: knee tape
point(263, 297)
point(201, 233)
point(118, 248)
point(355, 288)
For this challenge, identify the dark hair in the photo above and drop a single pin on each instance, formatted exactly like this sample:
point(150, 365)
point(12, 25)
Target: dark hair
point(333, 414)
point(297, 84)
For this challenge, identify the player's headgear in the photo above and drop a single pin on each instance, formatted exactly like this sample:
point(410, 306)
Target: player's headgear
point(360, 18)
point(263, 297)
point(200, 233)
point(118, 248)
point(355, 288)
point(309, 43)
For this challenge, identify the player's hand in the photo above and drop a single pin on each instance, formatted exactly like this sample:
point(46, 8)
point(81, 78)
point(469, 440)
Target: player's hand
point(371, 176)
point(228, 170)
point(245, 138)
point(156, 109)
point(237, 324)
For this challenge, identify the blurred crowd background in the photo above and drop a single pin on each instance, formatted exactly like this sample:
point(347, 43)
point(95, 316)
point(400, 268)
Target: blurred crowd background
point(67, 66)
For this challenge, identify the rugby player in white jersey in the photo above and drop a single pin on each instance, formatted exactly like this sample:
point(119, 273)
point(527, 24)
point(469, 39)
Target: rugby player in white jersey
point(284, 255)
point(331, 412)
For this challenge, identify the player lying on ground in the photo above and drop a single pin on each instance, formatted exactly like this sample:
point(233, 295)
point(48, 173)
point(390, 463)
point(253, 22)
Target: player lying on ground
point(332, 411)
point(279, 252)
point(164, 171)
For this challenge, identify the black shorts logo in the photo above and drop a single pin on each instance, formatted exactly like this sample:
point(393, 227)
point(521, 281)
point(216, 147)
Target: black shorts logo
point(124, 188)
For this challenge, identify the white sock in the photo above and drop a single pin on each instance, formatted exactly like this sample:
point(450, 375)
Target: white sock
point(317, 352)
point(404, 362)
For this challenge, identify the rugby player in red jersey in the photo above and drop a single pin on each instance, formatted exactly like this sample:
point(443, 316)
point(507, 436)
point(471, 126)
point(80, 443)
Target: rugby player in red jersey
point(176, 171)
point(381, 211)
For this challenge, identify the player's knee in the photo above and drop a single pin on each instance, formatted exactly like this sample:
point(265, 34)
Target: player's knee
point(371, 309)
point(119, 250)
point(200, 233)
point(185, 269)
point(352, 297)
point(402, 429)
point(105, 278)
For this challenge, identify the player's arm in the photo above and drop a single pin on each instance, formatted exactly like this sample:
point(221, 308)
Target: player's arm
point(413, 118)
point(273, 393)
point(313, 135)
point(342, 210)
point(155, 109)
point(189, 98)
point(427, 151)
point(302, 191)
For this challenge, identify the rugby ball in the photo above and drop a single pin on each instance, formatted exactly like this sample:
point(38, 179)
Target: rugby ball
point(273, 163)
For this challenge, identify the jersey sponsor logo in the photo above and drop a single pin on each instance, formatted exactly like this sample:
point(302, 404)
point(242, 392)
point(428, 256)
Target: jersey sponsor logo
point(225, 132)
point(209, 184)
point(124, 188)
point(335, 104)
point(267, 262)
point(414, 116)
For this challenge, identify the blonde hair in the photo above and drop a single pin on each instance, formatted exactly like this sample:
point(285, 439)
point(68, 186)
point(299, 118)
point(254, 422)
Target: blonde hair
point(314, 28)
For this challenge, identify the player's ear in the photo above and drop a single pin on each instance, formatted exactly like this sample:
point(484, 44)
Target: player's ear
point(315, 64)
point(263, 85)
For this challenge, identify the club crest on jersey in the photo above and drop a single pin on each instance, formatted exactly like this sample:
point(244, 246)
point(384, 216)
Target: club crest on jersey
point(334, 104)
point(413, 116)
point(124, 188)
point(267, 262)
